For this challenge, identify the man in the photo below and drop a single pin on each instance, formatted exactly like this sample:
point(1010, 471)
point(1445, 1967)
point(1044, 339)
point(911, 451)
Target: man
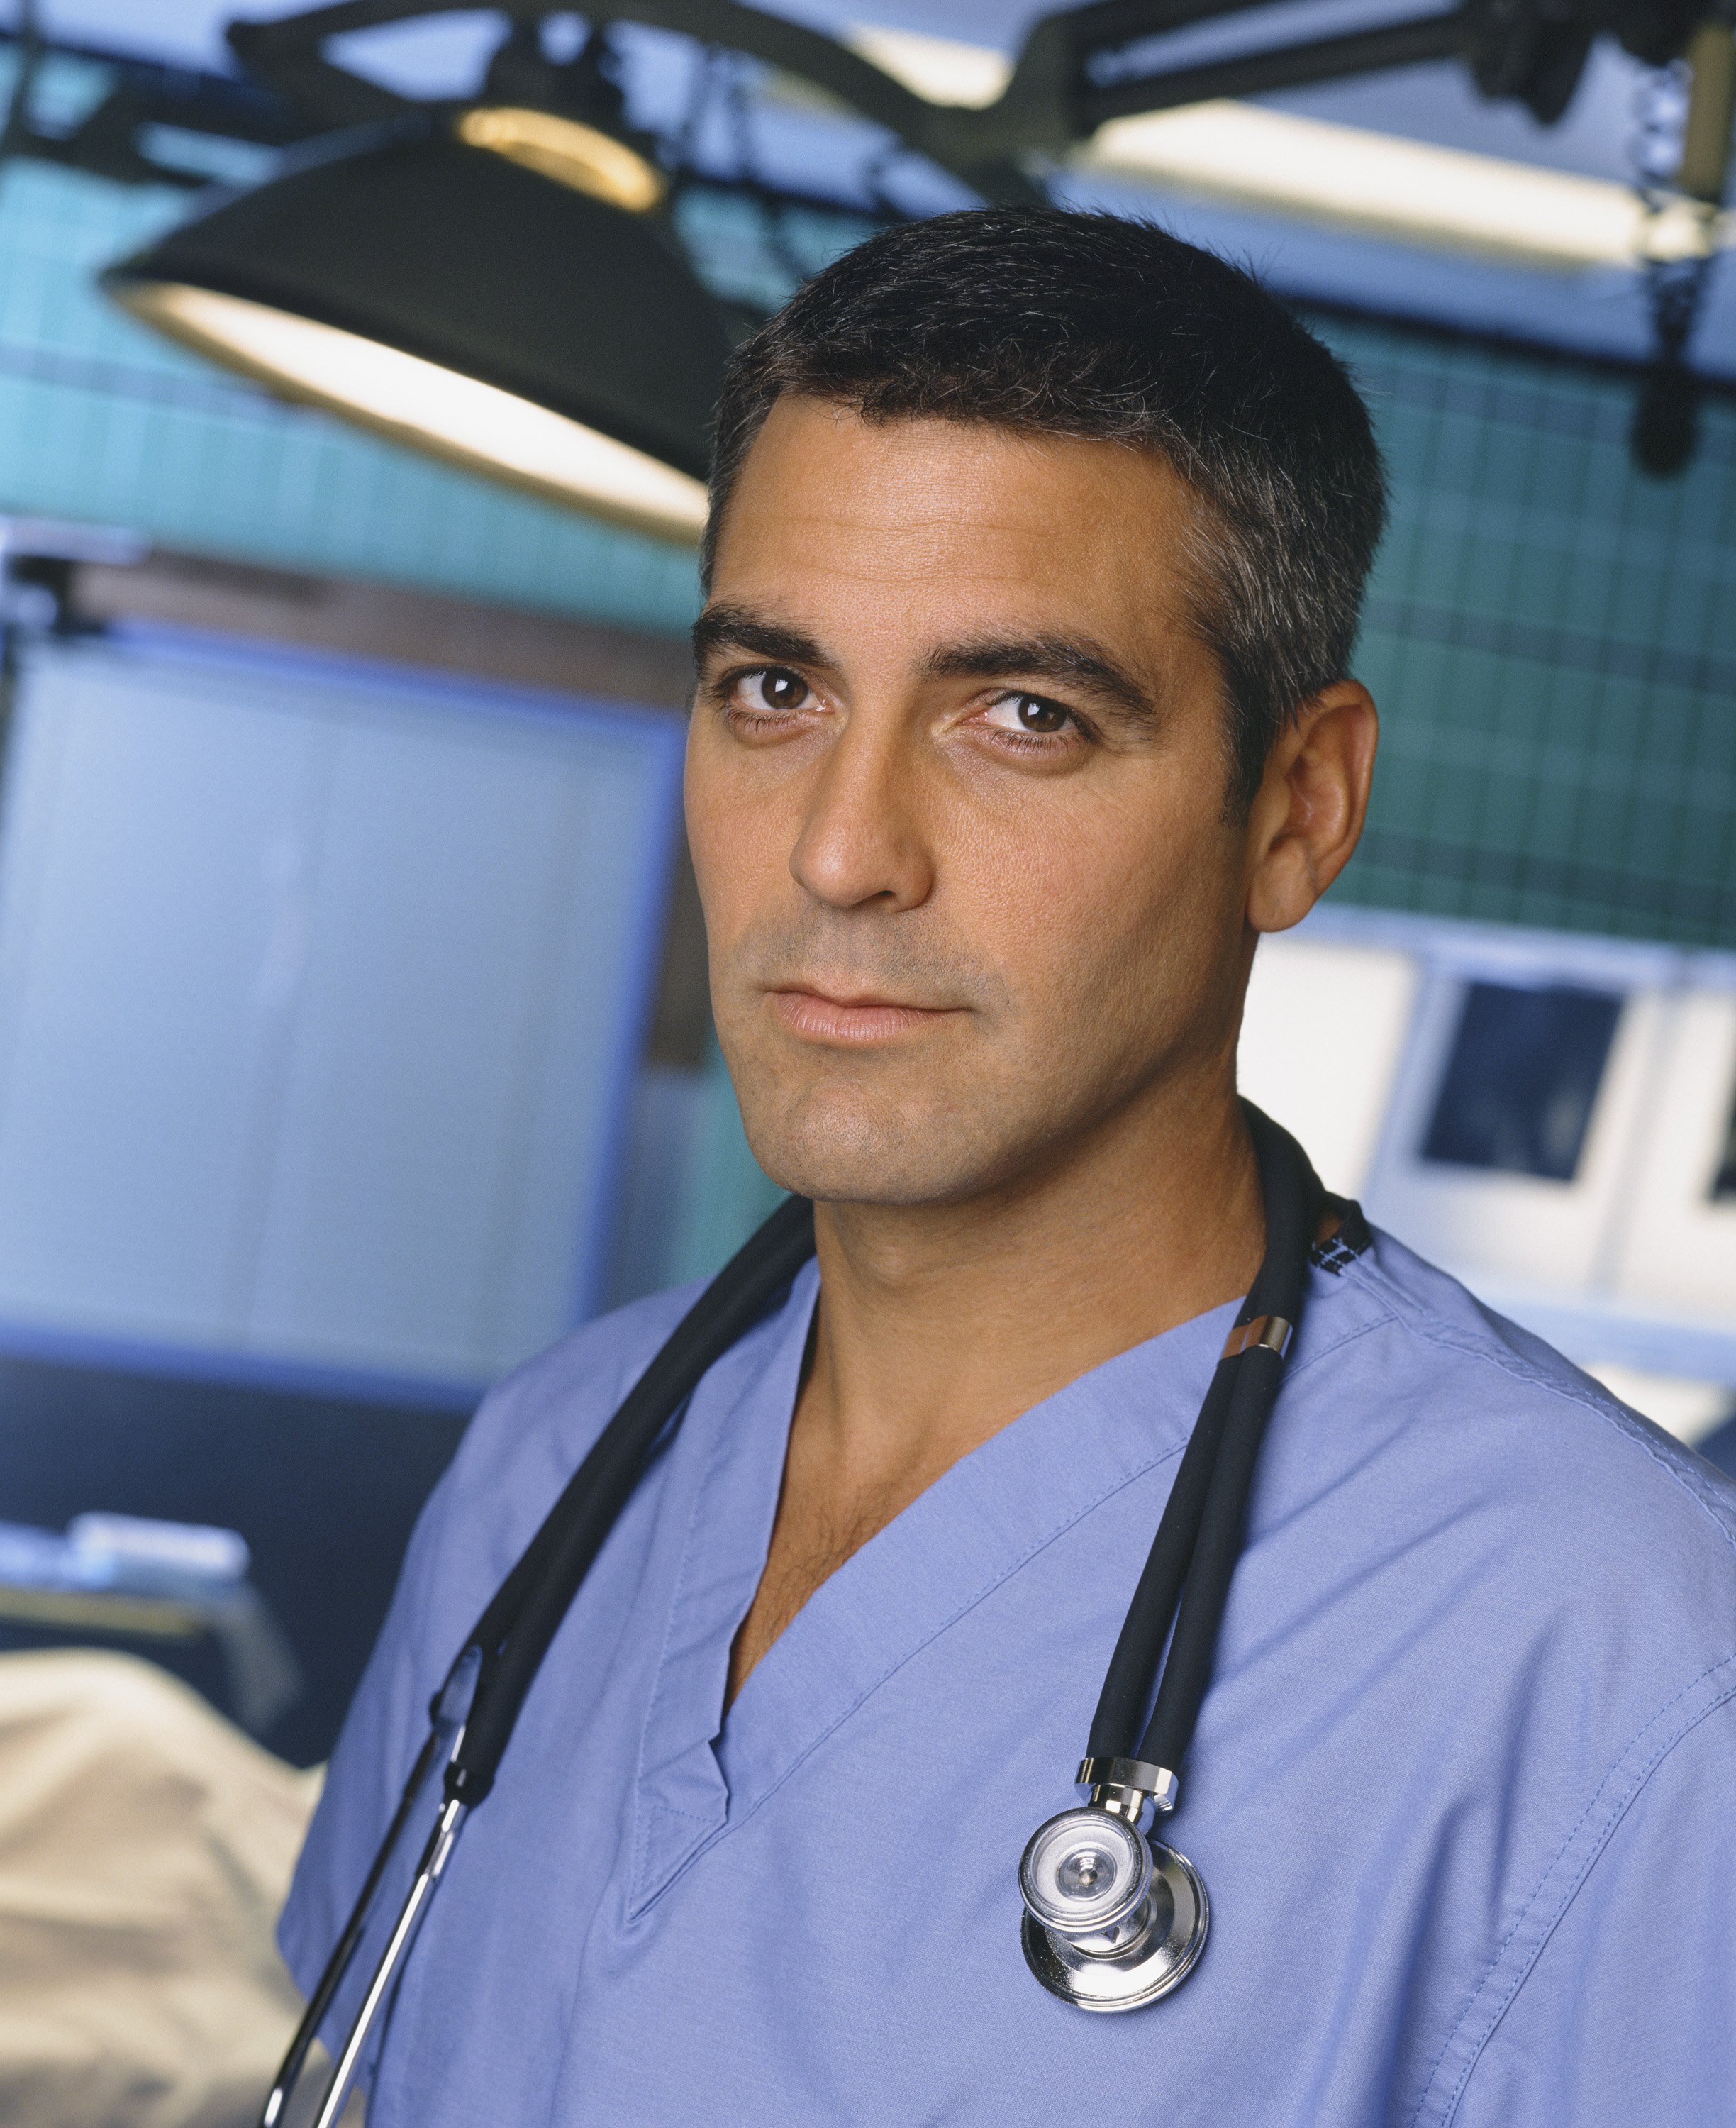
point(1022, 711)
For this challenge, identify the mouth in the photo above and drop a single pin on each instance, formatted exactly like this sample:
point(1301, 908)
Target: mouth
point(857, 1022)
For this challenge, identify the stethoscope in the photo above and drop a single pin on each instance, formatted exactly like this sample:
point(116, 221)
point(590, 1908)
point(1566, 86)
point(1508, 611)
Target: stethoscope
point(1112, 1918)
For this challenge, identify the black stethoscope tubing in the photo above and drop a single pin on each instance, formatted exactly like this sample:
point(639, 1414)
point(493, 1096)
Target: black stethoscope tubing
point(1186, 1579)
point(1199, 1536)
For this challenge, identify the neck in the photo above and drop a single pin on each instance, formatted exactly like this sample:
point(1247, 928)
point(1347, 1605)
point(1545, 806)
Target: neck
point(1155, 1220)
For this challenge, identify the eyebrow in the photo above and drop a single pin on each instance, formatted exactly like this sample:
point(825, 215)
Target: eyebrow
point(1072, 662)
point(736, 627)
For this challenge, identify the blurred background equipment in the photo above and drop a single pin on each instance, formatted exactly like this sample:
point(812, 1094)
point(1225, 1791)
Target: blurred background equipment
point(145, 1846)
point(392, 267)
point(1551, 1117)
point(131, 1578)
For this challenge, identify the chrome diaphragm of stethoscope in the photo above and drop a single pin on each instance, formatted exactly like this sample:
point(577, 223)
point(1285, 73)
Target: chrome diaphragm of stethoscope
point(1113, 1918)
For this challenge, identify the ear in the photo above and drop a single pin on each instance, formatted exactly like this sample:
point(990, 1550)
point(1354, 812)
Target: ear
point(1308, 812)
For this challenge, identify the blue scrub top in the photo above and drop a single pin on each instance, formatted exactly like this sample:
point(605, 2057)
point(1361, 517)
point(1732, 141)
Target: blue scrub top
point(1461, 1793)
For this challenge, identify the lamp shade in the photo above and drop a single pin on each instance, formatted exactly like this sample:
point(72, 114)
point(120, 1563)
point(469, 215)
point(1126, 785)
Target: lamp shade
point(464, 301)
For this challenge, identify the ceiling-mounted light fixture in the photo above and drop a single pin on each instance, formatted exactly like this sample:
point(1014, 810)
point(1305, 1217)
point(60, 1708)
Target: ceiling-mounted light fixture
point(490, 286)
point(496, 284)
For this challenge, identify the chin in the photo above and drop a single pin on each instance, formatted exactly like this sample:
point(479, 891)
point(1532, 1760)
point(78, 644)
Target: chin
point(854, 1152)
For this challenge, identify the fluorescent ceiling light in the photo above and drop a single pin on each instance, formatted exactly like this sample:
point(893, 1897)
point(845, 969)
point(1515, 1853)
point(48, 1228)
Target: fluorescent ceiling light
point(941, 68)
point(1345, 176)
point(433, 408)
point(1350, 178)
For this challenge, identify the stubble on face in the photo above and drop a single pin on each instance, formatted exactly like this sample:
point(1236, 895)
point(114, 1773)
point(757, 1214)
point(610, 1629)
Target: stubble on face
point(943, 963)
point(901, 1121)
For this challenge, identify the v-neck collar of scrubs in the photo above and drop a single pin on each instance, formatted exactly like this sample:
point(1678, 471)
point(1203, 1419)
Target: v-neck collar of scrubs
point(700, 1776)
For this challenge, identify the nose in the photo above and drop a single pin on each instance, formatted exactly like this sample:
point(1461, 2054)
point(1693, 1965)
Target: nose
point(862, 840)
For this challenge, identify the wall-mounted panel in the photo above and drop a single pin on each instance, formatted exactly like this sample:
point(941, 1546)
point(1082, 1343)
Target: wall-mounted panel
point(1498, 1164)
point(1678, 1247)
point(321, 990)
point(1550, 1117)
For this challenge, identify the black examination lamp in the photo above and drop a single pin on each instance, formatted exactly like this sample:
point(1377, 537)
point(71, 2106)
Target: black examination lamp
point(494, 285)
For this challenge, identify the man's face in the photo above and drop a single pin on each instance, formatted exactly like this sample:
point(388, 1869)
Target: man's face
point(955, 794)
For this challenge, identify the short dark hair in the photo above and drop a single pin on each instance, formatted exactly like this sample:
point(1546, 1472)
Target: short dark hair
point(1089, 325)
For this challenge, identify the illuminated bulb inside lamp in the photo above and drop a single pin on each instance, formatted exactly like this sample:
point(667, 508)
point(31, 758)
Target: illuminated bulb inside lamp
point(421, 403)
point(570, 153)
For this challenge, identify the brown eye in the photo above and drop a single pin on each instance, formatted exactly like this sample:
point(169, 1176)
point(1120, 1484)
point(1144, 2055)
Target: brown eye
point(778, 690)
point(1035, 716)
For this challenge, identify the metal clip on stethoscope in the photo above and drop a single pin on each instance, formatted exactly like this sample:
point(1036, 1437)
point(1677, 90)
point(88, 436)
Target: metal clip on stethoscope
point(1112, 1918)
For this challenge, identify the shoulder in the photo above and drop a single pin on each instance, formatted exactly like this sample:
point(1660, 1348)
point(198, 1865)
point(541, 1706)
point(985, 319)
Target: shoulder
point(1568, 1570)
point(545, 1415)
point(530, 1433)
point(1541, 1407)
point(1482, 1424)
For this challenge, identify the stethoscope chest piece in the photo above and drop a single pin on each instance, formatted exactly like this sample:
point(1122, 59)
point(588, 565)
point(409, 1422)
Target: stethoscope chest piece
point(1112, 1919)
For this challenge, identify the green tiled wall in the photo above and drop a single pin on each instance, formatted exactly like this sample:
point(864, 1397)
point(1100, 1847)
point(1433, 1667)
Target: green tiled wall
point(1552, 637)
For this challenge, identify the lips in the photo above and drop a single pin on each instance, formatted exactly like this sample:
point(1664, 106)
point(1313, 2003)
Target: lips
point(856, 1022)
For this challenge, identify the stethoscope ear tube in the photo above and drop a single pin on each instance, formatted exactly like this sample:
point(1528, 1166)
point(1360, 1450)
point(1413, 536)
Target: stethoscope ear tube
point(447, 1716)
point(435, 1856)
point(349, 1943)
